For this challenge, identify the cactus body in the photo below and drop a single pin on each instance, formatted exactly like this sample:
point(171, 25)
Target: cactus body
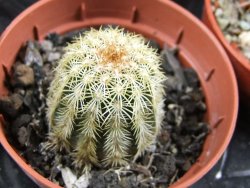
point(105, 102)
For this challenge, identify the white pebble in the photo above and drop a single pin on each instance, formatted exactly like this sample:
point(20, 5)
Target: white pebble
point(223, 22)
point(46, 45)
point(244, 38)
point(218, 12)
point(244, 25)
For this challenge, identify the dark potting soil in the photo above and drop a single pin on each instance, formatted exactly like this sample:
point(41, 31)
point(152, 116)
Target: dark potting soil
point(178, 145)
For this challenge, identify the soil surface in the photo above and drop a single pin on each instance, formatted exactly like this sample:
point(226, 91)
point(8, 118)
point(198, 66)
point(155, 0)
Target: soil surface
point(178, 145)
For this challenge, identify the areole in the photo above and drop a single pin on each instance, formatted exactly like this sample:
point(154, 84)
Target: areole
point(161, 20)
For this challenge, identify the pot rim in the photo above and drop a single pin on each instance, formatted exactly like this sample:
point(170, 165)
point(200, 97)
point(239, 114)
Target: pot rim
point(31, 172)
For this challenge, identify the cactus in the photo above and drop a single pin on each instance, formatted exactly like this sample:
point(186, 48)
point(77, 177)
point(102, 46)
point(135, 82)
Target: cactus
point(105, 103)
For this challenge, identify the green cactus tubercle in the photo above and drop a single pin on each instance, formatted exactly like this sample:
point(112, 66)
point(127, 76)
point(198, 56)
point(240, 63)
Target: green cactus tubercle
point(105, 103)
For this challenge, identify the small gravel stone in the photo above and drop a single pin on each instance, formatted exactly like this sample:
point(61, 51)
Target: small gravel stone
point(244, 38)
point(244, 25)
point(23, 75)
point(22, 120)
point(163, 163)
point(164, 137)
point(32, 55)
point(46, 45)
point(22, 136)
point(28, 98)
point(223, 22)
point(246, 52)
point(186, 166)
point(10, 105)
point(192, 77)
point(219, 12)
point(247, 16)
point(53, 56)
point(228, 37)
point(128, 181)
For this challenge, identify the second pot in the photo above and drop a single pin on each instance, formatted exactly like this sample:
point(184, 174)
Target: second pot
point(240, 63)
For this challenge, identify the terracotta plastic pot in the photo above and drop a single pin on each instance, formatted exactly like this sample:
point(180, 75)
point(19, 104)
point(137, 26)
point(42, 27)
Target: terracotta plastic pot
point(161, 20)
point(240, 63)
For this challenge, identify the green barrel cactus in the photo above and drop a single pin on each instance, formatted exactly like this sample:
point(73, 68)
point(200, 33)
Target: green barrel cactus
point(105, 104)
